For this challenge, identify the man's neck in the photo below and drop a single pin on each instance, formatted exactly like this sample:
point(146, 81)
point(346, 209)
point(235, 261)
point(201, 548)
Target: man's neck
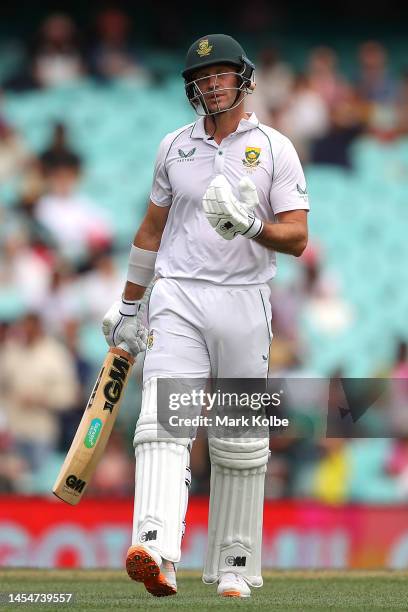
point(224, 123)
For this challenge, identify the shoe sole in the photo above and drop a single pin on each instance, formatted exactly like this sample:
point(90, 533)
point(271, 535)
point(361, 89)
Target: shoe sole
point(141, 567)
point(235, 594)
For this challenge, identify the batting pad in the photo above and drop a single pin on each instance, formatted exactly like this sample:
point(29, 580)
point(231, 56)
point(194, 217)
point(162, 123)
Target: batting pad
point(161, 484)
point(236, 509)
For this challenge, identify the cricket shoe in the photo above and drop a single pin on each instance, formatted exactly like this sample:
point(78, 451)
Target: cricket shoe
point(233, 585)
point(145, 565)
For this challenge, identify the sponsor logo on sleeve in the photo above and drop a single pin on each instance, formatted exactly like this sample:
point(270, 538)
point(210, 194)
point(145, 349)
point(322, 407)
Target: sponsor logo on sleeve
point(302, 191)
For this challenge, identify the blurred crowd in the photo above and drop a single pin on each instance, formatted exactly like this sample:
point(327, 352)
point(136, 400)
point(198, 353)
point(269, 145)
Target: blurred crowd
point(59, 54)
point(322, 110)
point(59, 267)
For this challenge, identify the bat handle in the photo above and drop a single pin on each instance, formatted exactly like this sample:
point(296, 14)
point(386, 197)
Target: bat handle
point(123, 350)
point(124, 347)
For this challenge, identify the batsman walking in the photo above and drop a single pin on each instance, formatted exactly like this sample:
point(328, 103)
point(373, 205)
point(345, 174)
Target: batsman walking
point(228, 192)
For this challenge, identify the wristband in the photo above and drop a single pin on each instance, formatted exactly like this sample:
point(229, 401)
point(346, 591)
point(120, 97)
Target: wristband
point(254, 229)
point(141, 266)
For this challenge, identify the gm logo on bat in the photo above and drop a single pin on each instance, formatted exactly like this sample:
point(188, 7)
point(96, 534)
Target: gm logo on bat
point(113, 388)
point(75, 483)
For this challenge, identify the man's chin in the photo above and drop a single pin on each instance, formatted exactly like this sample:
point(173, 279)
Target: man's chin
point(217, 108)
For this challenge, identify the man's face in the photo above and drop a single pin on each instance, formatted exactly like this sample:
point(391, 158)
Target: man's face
point(62, 181)
point(218, 85)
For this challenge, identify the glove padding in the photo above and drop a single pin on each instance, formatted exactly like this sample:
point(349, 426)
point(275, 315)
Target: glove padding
point(229, 216)
point(126, 330)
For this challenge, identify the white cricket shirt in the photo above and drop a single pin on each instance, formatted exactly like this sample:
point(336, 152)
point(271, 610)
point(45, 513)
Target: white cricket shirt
point(187, 161)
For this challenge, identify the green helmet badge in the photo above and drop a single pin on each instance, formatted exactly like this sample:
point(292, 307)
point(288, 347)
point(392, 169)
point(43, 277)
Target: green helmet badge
point(204, 48)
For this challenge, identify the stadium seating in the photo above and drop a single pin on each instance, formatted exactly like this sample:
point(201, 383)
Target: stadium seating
point(358, 217)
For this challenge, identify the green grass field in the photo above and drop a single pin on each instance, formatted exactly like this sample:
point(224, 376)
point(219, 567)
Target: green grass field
point(308, 590)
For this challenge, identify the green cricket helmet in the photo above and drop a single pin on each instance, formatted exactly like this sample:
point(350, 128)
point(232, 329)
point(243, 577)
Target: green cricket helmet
point(211, 50)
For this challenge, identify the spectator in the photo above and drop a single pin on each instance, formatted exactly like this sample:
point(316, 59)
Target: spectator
point(402, 105)
point(399, 390)
point(14, 155)
point(331, 475)
point(57, 56)
point(400, 369)
point(38, 380)
point(72, 219)
point(99, 284)
point(324, 78)
point(375, 83)
point(274, 85)
point(305, 117)
point(113, 55)
point(69, 419)
point(378, 90)
point(31, 190)
point(62, 302)
point(343, 106)
point(324, 306)
point(57, 149)
point(397, 465)
point(22, 269)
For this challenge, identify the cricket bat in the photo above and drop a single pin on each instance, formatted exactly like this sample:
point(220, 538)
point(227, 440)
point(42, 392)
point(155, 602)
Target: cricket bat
point(96, 424)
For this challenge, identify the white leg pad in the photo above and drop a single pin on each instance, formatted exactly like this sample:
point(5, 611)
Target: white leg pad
point(162, 483)
point(236, 509)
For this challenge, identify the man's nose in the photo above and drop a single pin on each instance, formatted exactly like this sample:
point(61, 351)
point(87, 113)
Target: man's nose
point(212, 80)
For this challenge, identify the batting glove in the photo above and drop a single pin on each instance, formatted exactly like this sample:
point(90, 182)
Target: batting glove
point(122, 326)
point(229, 216)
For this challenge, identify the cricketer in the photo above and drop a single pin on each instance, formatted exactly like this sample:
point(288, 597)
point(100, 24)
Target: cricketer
point(228, 192)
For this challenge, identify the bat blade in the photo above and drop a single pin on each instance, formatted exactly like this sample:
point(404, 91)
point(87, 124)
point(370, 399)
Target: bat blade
point(95, 427)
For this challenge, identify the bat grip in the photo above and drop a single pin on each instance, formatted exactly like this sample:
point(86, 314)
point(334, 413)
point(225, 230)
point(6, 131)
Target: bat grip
point(122, 351)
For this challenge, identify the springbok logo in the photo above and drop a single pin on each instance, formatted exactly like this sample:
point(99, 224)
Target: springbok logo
point(204, 48)
point(251, 157)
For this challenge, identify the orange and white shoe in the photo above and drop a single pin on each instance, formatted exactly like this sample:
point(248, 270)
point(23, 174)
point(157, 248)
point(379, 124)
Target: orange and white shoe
point(233, 585)
point(145, 565)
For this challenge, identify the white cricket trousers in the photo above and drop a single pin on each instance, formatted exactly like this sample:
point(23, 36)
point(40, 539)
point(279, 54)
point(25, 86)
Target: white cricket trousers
point(198, 329)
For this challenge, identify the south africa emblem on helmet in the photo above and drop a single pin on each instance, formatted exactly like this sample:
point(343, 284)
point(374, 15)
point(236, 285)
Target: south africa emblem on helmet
point(251, 157)
point(204, 48)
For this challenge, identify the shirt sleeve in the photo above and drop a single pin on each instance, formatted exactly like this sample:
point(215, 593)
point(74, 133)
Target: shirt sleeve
point(288, 191)
point(161, 193)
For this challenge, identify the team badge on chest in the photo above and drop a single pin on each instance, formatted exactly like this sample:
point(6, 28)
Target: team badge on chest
point(251, 157)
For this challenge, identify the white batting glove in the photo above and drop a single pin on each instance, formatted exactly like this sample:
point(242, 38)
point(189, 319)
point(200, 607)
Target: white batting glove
point(229, 216)
point(122, 326)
